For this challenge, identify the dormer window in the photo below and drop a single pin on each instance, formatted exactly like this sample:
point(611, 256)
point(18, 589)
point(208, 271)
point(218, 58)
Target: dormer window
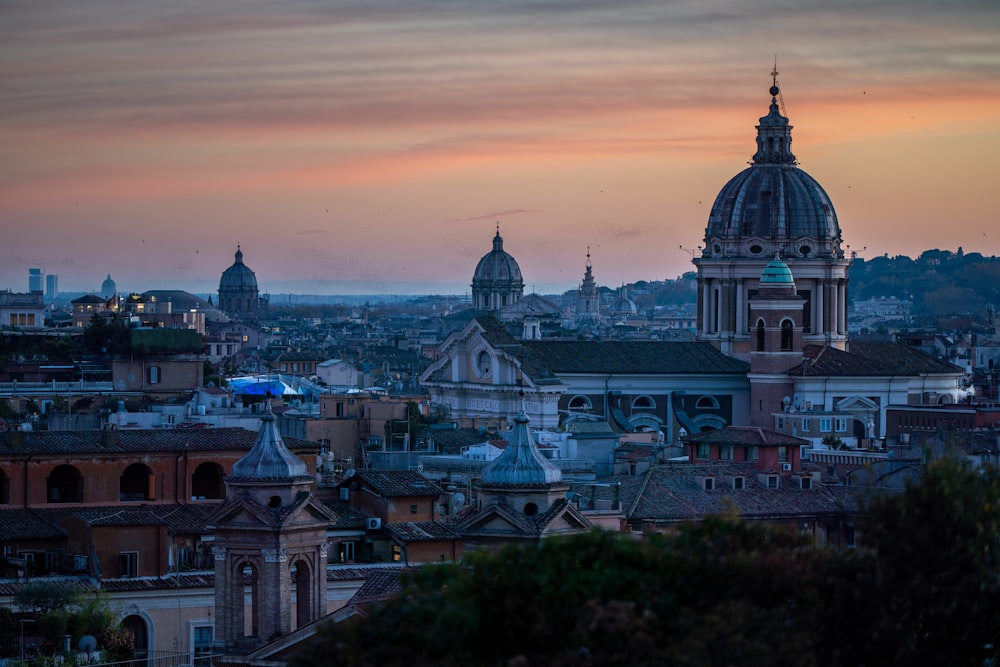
point(709, 483)
point(484, 363)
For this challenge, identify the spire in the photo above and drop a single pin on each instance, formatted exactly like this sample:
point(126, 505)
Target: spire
point(498, 240)
point(774, 134)
point(269, 458)
point(521, 464)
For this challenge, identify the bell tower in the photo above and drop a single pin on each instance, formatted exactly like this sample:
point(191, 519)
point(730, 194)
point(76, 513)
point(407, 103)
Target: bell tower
point(270, 547)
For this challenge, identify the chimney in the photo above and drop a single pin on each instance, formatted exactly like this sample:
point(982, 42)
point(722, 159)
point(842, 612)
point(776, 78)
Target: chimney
point(110, 436)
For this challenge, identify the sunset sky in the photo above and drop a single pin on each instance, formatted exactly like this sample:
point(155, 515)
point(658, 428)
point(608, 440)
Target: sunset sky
point(371, 147)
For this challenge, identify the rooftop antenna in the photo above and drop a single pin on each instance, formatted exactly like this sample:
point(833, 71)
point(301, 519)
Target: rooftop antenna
point(775, 90)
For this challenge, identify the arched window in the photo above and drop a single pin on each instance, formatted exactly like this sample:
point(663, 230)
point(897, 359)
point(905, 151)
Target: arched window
point(707, 403)
point(580, 403)
point(206, 482)
point(643, 402)
point(302, 581)
point(64, 485)
point(760, 335)
point(786, 335)
point(137, 483)
point(136, 626)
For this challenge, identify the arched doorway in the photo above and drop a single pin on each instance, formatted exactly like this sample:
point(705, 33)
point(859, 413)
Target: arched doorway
point(136, 626)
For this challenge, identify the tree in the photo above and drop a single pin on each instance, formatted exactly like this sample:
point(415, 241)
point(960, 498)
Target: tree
point(720, 592)
point(936, 579)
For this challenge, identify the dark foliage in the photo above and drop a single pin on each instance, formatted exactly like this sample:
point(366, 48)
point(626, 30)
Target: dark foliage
point(722, 592)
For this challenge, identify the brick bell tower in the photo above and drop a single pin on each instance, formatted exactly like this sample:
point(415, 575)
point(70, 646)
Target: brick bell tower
point(270, 548)
point(776, 341)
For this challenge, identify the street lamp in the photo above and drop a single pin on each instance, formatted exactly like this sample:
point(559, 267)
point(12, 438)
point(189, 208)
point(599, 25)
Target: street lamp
point(22, 622)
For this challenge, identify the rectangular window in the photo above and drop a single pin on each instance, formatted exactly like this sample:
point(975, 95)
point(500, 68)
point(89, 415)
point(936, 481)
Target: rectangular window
point(806, 483)
point(772, 481)
point(703, 451)
point(841, 424)
point(340, 409)
point(154, 375)
point(726, 452)
point(738, 483)
point(709, 483)
point(753, 453)
point(781, 423)
point(824, 425)
point(346, 552)
point(413, 509)
point(397, 553)
point(805, 425)
point(129, 562)
point(202, 637)
point(783, 454)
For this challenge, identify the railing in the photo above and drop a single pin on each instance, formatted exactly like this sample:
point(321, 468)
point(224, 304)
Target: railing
point(845, 456)
point(142, 659)
point(53, 386)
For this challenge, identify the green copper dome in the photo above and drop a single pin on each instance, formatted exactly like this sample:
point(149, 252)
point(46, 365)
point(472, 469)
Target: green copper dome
point(776, 273)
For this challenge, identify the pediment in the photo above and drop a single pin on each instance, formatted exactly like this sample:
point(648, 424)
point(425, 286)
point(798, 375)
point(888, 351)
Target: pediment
point(856, 403)
point(498, 520)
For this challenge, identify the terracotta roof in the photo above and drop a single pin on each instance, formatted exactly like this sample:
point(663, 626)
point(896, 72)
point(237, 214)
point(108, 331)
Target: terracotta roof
point(421, 531)
point(170, 582)
point(634, 357)
point(179, 519)
point(26, 524)
point(674, 493)
point(395, 483)
point(743, 436)
point(130, 441)
point(868, 359)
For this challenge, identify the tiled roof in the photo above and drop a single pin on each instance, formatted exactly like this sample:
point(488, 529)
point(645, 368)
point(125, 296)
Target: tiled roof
point(673, 493)
point(179, 519)
point(396, 483)
point(634, 357)
point(26, 524)
point(451, 441)
point(868, 359)
point(131, 441)
point(347, 518)
point(421, 531)
point(170, 582)
point(743, 436)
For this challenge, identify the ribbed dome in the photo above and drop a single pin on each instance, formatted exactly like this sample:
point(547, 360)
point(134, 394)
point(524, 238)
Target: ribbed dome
point(238, 276)
point(108, 287)
point(521, 464)
point(269, 459)
point(497, 265)
point(772, 206)
point(776, 273)
point(623, 304)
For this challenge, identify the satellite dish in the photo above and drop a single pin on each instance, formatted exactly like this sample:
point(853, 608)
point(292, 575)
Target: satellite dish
point(786, 400)
point(457, 502)
point(88, 644)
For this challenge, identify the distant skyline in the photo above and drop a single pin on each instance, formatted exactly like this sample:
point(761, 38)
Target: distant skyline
point(367, 147)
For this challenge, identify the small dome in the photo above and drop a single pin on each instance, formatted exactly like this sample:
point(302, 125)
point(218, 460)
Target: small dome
point(776, 273)
point(269, 459)
point(239, 275)
point(497, 266)
point(108, 288)
point(521, 464)
point(623, 304)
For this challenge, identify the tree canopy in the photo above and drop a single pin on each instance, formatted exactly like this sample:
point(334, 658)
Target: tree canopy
point(721, 592)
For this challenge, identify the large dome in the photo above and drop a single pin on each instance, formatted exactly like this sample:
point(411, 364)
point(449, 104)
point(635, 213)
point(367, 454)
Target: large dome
point(497, 265)
point(238, 276)
point(772, 206)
